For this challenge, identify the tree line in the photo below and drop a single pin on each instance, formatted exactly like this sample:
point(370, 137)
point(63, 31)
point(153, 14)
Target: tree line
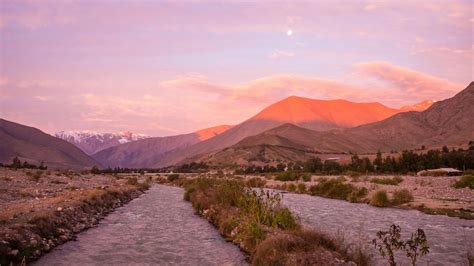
point(406, 162)
point(17, 164)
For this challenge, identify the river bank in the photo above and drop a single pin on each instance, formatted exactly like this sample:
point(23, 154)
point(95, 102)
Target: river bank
point(43, 209)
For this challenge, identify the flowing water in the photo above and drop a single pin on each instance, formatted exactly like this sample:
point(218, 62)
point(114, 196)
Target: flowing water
point(449, 238)
point(157, 228)
point(161, 228)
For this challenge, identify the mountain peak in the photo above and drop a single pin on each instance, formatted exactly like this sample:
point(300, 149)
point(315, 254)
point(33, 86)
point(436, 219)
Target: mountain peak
point(341, 113)
point(208, 133)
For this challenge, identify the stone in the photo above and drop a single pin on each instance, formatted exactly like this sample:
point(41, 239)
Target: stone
point(14, 252)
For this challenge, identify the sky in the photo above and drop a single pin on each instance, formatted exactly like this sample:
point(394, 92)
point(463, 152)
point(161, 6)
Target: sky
point(171, 67)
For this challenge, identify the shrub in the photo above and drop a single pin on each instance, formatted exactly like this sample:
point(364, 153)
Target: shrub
point(255, 182)
point(284, 219)
point(292, 187)
point(380, 199)
point(132, 181)
point(358, 194)
point(333, 189)
point(465, 181)
point(306, 177)
point(173, 177)
point(402, 196)
point(301, 188)
point(287, 176)
point(95, 170)
point(387, 181)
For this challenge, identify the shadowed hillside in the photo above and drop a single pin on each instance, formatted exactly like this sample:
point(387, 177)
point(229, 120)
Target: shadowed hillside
point(33, 145)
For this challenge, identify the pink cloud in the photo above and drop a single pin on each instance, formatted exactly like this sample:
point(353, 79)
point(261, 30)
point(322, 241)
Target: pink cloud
point(411, 82)
point(396, 86)
point(277, 54)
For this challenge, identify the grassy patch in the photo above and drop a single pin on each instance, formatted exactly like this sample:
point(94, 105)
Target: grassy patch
point(380, 199)
point(401, 196)
point(255, 182)
point(460, 213)
point(337, 189)
point(465, 181)
point(387, 181)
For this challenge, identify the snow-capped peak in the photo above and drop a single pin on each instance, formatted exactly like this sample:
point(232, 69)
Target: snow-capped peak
point(91, 141)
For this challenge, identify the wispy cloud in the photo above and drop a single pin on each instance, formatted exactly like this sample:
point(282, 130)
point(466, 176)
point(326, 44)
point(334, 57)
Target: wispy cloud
point(412, 83)
point(277, 54)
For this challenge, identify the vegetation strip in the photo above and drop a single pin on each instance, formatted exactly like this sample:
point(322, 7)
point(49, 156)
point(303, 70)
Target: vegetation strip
point(28, 231)
point(256, 221)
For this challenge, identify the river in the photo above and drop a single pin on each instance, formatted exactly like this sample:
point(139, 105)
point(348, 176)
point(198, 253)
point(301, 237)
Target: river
point(449, 238)
point(159, 227)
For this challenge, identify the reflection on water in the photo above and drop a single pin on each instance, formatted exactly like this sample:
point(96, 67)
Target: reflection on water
point(157, 228)
point(449, 238)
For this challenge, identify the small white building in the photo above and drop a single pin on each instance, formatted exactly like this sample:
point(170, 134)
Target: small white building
point(440, 171)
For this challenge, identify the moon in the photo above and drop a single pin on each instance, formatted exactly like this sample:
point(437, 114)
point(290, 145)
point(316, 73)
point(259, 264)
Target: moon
point(289, 32)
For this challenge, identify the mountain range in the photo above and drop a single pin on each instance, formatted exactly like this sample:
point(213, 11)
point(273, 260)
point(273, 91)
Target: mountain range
point(91, 142)
point(146, 152)
point(449, 122)
point(308, 113)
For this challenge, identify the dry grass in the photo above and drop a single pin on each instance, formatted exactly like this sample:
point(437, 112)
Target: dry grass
point(260, 225)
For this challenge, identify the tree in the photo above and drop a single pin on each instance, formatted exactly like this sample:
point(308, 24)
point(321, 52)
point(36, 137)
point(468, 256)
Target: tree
point(16, 163)
point(313, 165)
point(388, 242)
point(378, 162)
point(95, 170)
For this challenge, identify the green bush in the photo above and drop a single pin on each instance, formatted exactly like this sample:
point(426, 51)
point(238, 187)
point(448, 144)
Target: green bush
point(287, 176)
point(333, 189)
point(387, 181)
point(402, 196)
point(465, 181)
point(284, 219)
point(380, 199)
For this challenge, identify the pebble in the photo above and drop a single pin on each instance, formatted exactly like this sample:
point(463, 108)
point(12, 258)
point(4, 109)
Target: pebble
point(14, 252)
